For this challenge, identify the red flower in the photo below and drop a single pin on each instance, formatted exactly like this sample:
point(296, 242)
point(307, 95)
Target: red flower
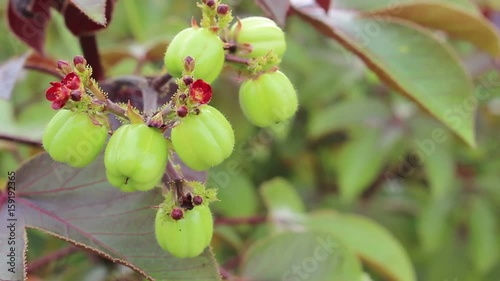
point(200, 92)
point(60, 92)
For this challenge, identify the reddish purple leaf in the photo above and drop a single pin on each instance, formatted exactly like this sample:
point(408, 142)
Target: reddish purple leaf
point(325, 4)
point(79, 206)
point(83, 21)
point(275, 9)
point(44, 64)
point(28, 20)
point(9, 71)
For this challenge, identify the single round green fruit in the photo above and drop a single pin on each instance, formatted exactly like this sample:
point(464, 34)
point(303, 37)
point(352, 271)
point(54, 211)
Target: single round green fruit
point(262, 34)
point(204, 140)
point(73, 139)
point(187, 237)
point(268, 99)
point(136, 157)
point(201, 44)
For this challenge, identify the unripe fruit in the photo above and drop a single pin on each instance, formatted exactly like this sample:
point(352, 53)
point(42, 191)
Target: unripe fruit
point(262, 34)
point(203, 140)
point(136, 157)
point(268, 99)
point(187, 237)
point(73, 139)
point(204, 46)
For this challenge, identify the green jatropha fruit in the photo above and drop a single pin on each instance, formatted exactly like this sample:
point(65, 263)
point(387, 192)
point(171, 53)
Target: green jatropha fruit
point(267, 99)
point(136, 157)
point(262, 34)
point(204, 140)
point(186, 237)
point(72, 138)
point(203, 46)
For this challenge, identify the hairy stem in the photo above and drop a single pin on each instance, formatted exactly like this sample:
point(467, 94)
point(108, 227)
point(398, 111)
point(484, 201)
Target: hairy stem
point(88, 43)
point(115, 109)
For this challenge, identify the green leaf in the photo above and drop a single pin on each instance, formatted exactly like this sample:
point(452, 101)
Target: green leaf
point(367, 111)
point(286, 210)
point(373, 5)
point(409, 59)
point(433, 224)
point(236, 193)
point(280, 197)
point(312, 256)
point(94, 9)
point(9, 73)
point(30, 129)
point(458, 22)
point(484, 244)
point(81, 207)
point(360, 160)
point(376, 246)
point(440, 169)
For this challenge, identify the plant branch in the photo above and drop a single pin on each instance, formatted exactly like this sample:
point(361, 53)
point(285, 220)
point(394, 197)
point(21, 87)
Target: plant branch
point(236, 59)
point(88, 43)
point(20, 140)
point(172, 172)
point(46, 260)
point(241, 220)
point(53, 72)
point(115, 109)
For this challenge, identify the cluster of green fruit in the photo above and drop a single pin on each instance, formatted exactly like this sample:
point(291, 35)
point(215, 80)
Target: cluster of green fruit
point(137, 153)
point(266, 95)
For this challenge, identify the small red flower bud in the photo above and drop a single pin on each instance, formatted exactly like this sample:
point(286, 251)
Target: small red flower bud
point(182, 111)
point(187, 80)
point(64, 67)
point(210, 3)
point(76, 95)
point(200, 92)
point(80, 63)
point(189, 64)
point(182, 97)
point(197, 200)
point(177, 214)
point(79, 60)
point(222, 9)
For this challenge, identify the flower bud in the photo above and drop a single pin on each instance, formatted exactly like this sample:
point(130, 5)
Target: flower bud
point(222, 9)
point(177, 214)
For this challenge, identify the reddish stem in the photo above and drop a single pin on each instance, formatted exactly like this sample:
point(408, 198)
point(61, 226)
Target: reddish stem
point(88, 43)
point(20, 140)
point(236, 59)
point(52, 72)
point(242, 220)
point(46, 260)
